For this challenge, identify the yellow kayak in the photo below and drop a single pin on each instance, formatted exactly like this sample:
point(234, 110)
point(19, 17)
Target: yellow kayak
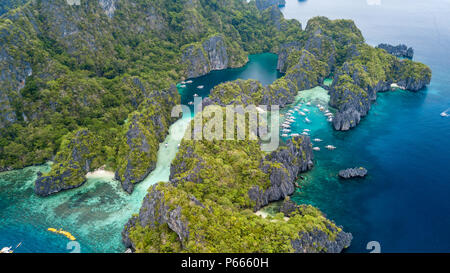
point(62, 232)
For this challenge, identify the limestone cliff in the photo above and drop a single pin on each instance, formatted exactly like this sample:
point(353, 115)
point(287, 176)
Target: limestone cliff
point(72, 163)
point(290, 160)
point(316, 237)
point(213, 186)
point(214, 53)
point(401, 51)
point(357, 82)
point(146, 129)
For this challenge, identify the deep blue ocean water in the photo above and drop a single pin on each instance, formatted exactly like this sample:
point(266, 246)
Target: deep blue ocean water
point(404, 143)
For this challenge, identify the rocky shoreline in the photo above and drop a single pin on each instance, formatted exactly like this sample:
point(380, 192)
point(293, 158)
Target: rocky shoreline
point(318, 237)
point(401, 51)
point(353, 173)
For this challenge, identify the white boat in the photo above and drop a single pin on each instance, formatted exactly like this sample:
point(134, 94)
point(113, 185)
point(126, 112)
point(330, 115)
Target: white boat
point(445, 114)
point(195, 95)
point(306, 110)
point(301, 113)
point(317, 140)
point(200, 87)
point(307, 120)
point(183, 86)
point(316, 149)
point(6, 250)
point(330, 119)
point(189, 81)
point(307, 130)
point(191, 103)
point(305, 134)
point(183, 82)
point(284, 135)
point(295, 135)
point(308, 103)
point(330, 147)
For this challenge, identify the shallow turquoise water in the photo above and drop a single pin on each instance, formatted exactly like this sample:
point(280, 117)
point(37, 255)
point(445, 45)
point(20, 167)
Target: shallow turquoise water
point(96, 212)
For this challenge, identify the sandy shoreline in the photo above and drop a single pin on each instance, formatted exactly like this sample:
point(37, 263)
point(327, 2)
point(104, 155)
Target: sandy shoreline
point(100, 173)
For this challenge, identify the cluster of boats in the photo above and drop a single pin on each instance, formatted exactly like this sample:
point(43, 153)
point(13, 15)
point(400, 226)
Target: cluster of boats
point(326, 112)
point(184, 83)
point(290, 119)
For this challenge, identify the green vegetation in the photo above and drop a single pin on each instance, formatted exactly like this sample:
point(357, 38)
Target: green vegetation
point(210, 185)
point(77, 155)
point(6, 5)
point(217, 228)
point(79, 71)
point(373, 69)
point(145, 130)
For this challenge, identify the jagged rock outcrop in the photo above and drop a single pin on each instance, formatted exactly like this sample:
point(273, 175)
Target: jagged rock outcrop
point(307, 73)
point(305, 70)
point(236, 92)
point(292, 159)
point(353, 173)
point(172, 220)
point(284, 52)
point(401, 51)
point(318, 238)
point(156, 211)
point(357, 82)
point(147, 128)
point(189, 157)
point(319, 241)
point(14, 69)
point(265, 4)
point(329, 39)
point(71, 165)
point(411, 75)
point(214, 53)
